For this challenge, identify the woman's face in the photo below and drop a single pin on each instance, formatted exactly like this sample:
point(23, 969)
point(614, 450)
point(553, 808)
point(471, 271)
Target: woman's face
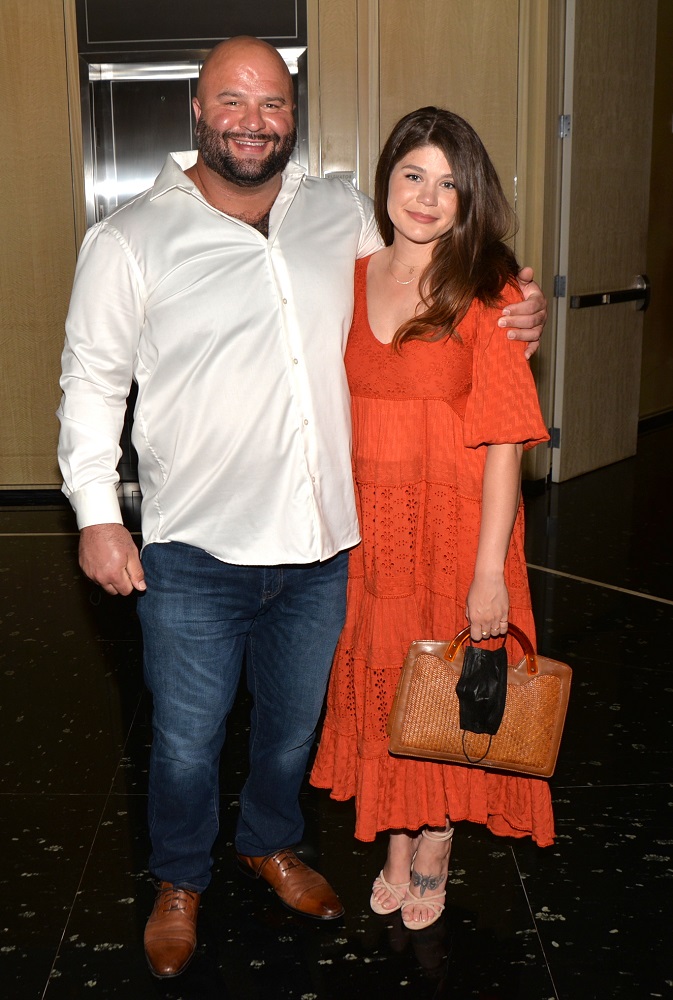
point(422, 199)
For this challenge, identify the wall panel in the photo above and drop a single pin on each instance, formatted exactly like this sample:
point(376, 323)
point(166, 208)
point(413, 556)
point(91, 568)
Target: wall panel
point(460, 54)
point(333, 85)
point(38, 248)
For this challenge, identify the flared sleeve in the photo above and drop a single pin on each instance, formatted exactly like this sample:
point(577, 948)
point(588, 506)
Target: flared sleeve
point(502, 406)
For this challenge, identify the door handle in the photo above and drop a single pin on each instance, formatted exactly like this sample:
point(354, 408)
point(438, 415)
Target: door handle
point(639, 293)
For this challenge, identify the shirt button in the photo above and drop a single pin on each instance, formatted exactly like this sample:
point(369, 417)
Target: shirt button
point(284, 302)
point(305, 422)
point(296, 360)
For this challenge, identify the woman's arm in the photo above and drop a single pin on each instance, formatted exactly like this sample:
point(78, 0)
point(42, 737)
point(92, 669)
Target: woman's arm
point(487, 600)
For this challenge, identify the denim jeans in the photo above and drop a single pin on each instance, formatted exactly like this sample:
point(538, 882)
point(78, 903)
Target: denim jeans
point(201, 619)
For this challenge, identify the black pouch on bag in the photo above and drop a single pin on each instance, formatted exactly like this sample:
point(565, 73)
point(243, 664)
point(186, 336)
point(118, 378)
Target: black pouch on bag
point(482, 689)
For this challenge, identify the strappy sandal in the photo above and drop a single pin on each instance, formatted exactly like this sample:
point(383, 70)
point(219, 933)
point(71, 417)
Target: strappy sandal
point(434, 902)
point(398, 890)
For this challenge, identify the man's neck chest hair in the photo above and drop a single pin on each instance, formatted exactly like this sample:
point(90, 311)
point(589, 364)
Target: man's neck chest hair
point(252, 208)
point(260, 222)
point(256, 216)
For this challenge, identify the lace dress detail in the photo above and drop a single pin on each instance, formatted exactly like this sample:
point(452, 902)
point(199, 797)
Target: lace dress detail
point(421, 420)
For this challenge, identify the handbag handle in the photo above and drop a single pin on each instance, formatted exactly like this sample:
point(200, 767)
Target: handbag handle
point(514, 631)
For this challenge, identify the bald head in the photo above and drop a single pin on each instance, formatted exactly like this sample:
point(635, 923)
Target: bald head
point(238, 55)
point(244, 109)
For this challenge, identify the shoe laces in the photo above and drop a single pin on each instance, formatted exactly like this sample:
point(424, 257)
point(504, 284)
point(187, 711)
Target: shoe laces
point(286, 860)
point(173, 899)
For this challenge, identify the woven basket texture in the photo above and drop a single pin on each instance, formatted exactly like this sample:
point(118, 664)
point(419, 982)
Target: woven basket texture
point(432, 716)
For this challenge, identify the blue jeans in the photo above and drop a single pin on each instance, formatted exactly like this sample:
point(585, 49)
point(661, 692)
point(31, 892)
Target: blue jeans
point(201, 618)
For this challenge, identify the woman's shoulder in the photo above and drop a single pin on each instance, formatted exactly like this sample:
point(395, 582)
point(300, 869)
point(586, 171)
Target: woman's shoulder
point(510, 293)
point(362, 263)
point(481, 313)
point(361, 268)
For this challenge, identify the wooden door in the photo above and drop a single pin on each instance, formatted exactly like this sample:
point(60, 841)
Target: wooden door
point(610, 49)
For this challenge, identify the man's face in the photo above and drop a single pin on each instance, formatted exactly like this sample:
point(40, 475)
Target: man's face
point(245, 122)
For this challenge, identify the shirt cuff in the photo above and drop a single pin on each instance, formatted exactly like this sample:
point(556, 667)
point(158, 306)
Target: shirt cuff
point(96, 504)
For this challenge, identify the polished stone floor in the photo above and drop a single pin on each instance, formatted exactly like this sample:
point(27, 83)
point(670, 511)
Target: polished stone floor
point(586, 919)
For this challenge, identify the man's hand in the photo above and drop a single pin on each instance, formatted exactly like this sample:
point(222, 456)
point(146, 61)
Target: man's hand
point(526, 319)
point(109, 556)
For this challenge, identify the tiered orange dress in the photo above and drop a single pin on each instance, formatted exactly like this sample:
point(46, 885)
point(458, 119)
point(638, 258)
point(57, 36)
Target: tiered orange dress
point(421, 421)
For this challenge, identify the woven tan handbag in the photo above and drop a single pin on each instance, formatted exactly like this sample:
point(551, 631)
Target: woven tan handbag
point(424, 720)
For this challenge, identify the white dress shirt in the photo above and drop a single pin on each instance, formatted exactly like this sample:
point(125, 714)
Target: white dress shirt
point(242, 424)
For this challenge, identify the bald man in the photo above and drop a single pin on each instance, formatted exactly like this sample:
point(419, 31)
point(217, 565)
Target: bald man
point(226, 292)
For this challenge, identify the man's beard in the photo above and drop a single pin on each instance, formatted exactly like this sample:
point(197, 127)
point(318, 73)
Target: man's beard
point(216, 154)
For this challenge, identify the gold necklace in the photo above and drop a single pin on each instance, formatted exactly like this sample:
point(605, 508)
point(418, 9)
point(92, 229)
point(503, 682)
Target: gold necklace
point(412, 268)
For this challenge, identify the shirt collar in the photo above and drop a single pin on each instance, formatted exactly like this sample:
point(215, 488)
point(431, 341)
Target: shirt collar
point(172, 174)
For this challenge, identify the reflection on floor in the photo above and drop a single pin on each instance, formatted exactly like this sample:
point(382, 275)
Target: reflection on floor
point(588, 918)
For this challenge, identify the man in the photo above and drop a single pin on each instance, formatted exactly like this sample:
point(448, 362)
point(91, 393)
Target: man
point(226, 292)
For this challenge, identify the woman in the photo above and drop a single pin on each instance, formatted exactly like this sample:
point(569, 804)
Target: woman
point(443, 406)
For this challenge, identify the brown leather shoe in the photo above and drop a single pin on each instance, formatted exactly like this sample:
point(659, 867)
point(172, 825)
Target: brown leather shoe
point(298, 887)
point(170, 934)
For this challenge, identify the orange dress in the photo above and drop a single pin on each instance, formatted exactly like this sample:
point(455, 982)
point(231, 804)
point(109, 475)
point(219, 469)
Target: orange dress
point(421, 421)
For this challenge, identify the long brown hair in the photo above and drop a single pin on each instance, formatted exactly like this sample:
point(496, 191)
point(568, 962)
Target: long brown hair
point(470, 260)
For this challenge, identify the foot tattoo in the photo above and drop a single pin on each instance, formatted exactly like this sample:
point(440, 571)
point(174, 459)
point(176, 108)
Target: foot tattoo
point(425, 882)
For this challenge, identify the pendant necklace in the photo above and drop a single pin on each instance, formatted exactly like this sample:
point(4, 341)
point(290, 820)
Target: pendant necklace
point(411, 267)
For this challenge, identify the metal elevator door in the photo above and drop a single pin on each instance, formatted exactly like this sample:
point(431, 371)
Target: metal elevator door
point(135, 124)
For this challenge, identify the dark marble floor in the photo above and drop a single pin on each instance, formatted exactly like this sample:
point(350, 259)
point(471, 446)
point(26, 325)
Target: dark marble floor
point(588, 918)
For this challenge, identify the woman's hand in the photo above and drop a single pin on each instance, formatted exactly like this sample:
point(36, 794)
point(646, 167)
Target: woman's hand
point(487, 607)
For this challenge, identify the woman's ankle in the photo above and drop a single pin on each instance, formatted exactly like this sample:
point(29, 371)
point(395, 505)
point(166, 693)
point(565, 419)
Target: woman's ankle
point(438, 833)
point(402, 846)
point(431, 863)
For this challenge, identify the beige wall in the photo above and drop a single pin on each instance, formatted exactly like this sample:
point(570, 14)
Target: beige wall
point(462, 55)
point(656, 389)
point(372, 61)
point(38, 246)
point(333, 85)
